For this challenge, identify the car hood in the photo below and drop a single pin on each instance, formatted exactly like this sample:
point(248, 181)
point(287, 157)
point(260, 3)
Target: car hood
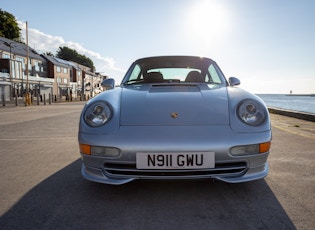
point(174, 105)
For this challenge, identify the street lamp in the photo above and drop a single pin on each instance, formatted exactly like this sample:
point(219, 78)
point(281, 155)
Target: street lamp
point(27, 95)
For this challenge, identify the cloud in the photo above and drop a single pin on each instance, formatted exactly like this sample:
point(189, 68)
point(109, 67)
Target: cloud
point(48, 43)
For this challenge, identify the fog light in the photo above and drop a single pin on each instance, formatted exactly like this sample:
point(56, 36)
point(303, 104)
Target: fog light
point(250, 149)
point(104, 151)
point(245, 150)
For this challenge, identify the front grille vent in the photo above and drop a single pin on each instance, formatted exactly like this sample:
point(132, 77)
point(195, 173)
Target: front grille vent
point(130, 170)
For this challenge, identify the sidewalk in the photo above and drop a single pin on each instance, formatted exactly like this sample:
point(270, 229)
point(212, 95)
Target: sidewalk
point(293, 125)
point(290, 113)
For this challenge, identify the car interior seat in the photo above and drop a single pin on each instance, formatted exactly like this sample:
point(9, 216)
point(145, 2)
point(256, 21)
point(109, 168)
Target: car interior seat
point(194, 76)
point(153, 77)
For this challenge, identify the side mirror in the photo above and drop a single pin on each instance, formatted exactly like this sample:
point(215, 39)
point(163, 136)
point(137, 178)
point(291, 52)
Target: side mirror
point(108, 83)
point(233, 81)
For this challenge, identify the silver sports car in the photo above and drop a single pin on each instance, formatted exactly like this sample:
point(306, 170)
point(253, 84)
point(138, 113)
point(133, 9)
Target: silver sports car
point(174, 117)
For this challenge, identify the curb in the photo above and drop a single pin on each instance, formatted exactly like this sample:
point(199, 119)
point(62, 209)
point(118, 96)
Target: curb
point(295, 114)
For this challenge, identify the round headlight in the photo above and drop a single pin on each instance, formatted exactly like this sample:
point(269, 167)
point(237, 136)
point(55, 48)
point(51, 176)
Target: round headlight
point(97, 114)
point(252, 112)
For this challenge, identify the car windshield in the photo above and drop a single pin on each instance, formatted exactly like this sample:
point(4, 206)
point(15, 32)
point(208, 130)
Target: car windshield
point(174, 70)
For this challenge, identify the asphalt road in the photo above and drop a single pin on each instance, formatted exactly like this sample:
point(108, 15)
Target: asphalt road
point(41, 186)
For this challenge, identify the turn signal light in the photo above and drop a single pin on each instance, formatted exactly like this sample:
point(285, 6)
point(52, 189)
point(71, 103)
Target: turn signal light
point(264, 147)
point(85, 149)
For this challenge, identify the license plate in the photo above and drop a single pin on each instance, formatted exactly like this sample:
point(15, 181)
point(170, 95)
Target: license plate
point(178, 160)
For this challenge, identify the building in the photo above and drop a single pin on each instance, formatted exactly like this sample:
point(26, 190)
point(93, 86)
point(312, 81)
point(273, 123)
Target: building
point(59, 71)
point(46, 76)
point(15, 77)
point(91, 82)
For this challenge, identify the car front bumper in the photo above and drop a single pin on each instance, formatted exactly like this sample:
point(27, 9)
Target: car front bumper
point(132, 139)
point(98, 175)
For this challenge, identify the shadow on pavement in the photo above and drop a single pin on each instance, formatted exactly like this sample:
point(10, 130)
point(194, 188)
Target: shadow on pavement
point(67, 201)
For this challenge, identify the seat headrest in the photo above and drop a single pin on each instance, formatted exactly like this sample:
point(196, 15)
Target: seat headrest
point(153, 77)
point(194, 76)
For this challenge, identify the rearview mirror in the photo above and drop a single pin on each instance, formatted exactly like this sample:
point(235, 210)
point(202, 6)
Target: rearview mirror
point(108, 83)
point(233, 81)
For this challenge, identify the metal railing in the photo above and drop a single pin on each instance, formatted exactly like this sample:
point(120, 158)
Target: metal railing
point(37, 100)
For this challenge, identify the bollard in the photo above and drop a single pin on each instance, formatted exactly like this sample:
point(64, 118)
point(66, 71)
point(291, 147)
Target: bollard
point(37, 99)
point(16, 100)
point(50, 99)
point(27, 99)
point(3, 100)
point(44, 99)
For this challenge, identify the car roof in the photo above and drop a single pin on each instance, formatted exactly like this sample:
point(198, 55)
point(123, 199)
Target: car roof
point(174, 61)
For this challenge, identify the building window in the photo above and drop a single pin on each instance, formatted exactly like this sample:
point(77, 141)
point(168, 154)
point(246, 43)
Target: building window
point(65, 70)
point(58, 79)
point(65, 80)
point(36, 63)
point(5, 56)
point(29, 64)
point(58, 69)
point(22, 60)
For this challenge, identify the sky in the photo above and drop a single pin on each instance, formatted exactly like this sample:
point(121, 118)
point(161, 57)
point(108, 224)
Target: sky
point(268, 44)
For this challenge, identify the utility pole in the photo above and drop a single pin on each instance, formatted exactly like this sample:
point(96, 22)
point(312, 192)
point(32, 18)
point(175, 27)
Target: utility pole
point(27, 95)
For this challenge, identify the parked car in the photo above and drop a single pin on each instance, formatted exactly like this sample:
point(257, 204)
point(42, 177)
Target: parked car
point(174, 117)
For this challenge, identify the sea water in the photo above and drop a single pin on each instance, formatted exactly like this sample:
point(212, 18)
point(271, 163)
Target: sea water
point(301, 103)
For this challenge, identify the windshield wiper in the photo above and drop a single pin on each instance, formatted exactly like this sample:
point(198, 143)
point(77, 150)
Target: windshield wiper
point(134, 81)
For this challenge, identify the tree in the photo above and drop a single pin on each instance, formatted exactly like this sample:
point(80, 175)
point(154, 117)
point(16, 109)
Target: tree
point(72, 55)
point(48, 53)
point(9, 27)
